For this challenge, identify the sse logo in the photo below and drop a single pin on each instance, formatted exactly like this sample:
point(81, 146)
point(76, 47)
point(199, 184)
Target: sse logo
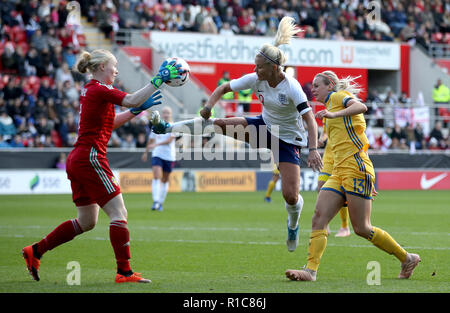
point(5, 183)
point(46, 182)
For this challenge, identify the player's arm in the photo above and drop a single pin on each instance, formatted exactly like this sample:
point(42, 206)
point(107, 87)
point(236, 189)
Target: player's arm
point(214, 98)
point(124, 117)
point(167, 141)
point(150, 145)
point(167, 71)
point(352, 107)
point(314, 159)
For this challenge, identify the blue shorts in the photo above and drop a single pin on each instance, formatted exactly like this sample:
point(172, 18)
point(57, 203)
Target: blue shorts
point(167, 166)
point(285, 152)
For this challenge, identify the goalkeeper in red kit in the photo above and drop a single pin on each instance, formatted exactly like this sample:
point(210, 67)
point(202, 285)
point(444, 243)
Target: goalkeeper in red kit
point(93, 184)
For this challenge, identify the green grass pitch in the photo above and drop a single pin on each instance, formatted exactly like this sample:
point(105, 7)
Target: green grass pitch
point(225, 243)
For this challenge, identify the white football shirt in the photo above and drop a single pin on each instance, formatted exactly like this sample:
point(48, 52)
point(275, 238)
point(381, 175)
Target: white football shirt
point(167, 151)
point(279, 106)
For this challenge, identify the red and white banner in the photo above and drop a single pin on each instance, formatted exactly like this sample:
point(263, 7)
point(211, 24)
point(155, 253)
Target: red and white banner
point(413, 180)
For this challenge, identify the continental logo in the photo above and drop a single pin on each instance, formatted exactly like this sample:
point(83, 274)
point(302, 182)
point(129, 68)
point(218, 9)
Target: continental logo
point(225, 181)
point(136, 182)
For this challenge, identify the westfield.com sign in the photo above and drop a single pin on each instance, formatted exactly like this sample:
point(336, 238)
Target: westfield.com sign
point(301, 52)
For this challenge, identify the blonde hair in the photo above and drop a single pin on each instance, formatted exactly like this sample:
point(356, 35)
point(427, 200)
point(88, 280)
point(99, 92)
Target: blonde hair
point(91, 61)
point(286, 30)
point(348, 83)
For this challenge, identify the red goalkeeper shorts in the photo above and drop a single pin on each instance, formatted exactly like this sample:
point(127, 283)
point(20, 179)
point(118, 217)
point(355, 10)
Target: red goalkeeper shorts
point(91, 179)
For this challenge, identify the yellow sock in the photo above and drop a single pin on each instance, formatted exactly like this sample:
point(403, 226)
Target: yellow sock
point(270, 188)
point(385, 242)
point(317, 245)
point(344, 217)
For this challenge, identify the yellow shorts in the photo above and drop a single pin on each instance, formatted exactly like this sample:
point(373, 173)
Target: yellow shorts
point(354, 176)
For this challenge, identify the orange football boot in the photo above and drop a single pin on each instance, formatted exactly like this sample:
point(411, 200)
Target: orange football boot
point(32, 262)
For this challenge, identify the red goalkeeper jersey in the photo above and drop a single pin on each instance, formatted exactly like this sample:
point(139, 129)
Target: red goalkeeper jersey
point(97, 114)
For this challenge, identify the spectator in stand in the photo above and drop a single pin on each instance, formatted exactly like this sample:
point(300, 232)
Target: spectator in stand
point(63, 74)
point(226, 30)
point(385, 139)
point(34, 62)
point(4, 143)
point(436, 133)
point(398, 137)
point(8, 60)
point(419, 137)
point(408, 32)
point(388, 110)
point(40, 109)
point(46, 91)
point(104, 20)
point(61, 161)
point(12, 90)
point(32, 25)
point(65, 38)
point(129, 142)
point(43, 126)
point(16, 142)
point(19, 59)
point(127, 16)
point(7, 127)
point(404, 99)
point(39, 41)
point(141, 141)
point(231, 20)
point(441, 98)
point(71, 91)
point(64, 109)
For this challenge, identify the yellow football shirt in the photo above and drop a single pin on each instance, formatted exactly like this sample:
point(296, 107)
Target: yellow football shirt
point(346, 135)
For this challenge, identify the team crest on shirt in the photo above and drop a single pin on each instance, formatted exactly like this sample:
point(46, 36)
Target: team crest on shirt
point(114, 181)
point(282, 98)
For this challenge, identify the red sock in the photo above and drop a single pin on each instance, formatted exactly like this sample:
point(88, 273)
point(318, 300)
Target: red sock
point(120, 241)
point(61, 234)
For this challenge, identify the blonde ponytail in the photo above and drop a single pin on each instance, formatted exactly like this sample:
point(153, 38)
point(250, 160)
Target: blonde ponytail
point(348, 83)
point(286, 30)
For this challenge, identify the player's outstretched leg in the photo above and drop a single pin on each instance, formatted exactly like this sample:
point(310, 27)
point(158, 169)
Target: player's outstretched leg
point(61, 234)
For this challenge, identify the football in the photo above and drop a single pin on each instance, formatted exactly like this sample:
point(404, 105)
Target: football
point(184, 75)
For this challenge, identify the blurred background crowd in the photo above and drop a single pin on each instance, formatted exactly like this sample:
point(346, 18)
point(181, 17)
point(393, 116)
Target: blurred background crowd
point(39, 93)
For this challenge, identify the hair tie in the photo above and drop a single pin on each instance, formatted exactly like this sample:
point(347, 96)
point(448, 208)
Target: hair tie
point(329, 78)
point(268, 58)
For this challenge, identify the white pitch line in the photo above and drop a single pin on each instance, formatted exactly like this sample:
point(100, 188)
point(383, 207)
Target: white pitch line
point(235, 229)
point(273, 243)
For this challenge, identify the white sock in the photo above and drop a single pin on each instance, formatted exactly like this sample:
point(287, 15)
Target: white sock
point(294, 212)
point(192, 127)
point(156, 189)
point(163, 192)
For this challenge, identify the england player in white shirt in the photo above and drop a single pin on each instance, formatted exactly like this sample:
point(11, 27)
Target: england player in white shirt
point(163, 161)
point(284, 102)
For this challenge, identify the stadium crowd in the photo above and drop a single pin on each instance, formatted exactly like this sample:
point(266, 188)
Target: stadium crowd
point(39, 94)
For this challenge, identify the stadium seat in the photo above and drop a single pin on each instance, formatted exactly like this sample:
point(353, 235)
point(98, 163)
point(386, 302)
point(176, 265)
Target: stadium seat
point(33, 83)
point(18, 34)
